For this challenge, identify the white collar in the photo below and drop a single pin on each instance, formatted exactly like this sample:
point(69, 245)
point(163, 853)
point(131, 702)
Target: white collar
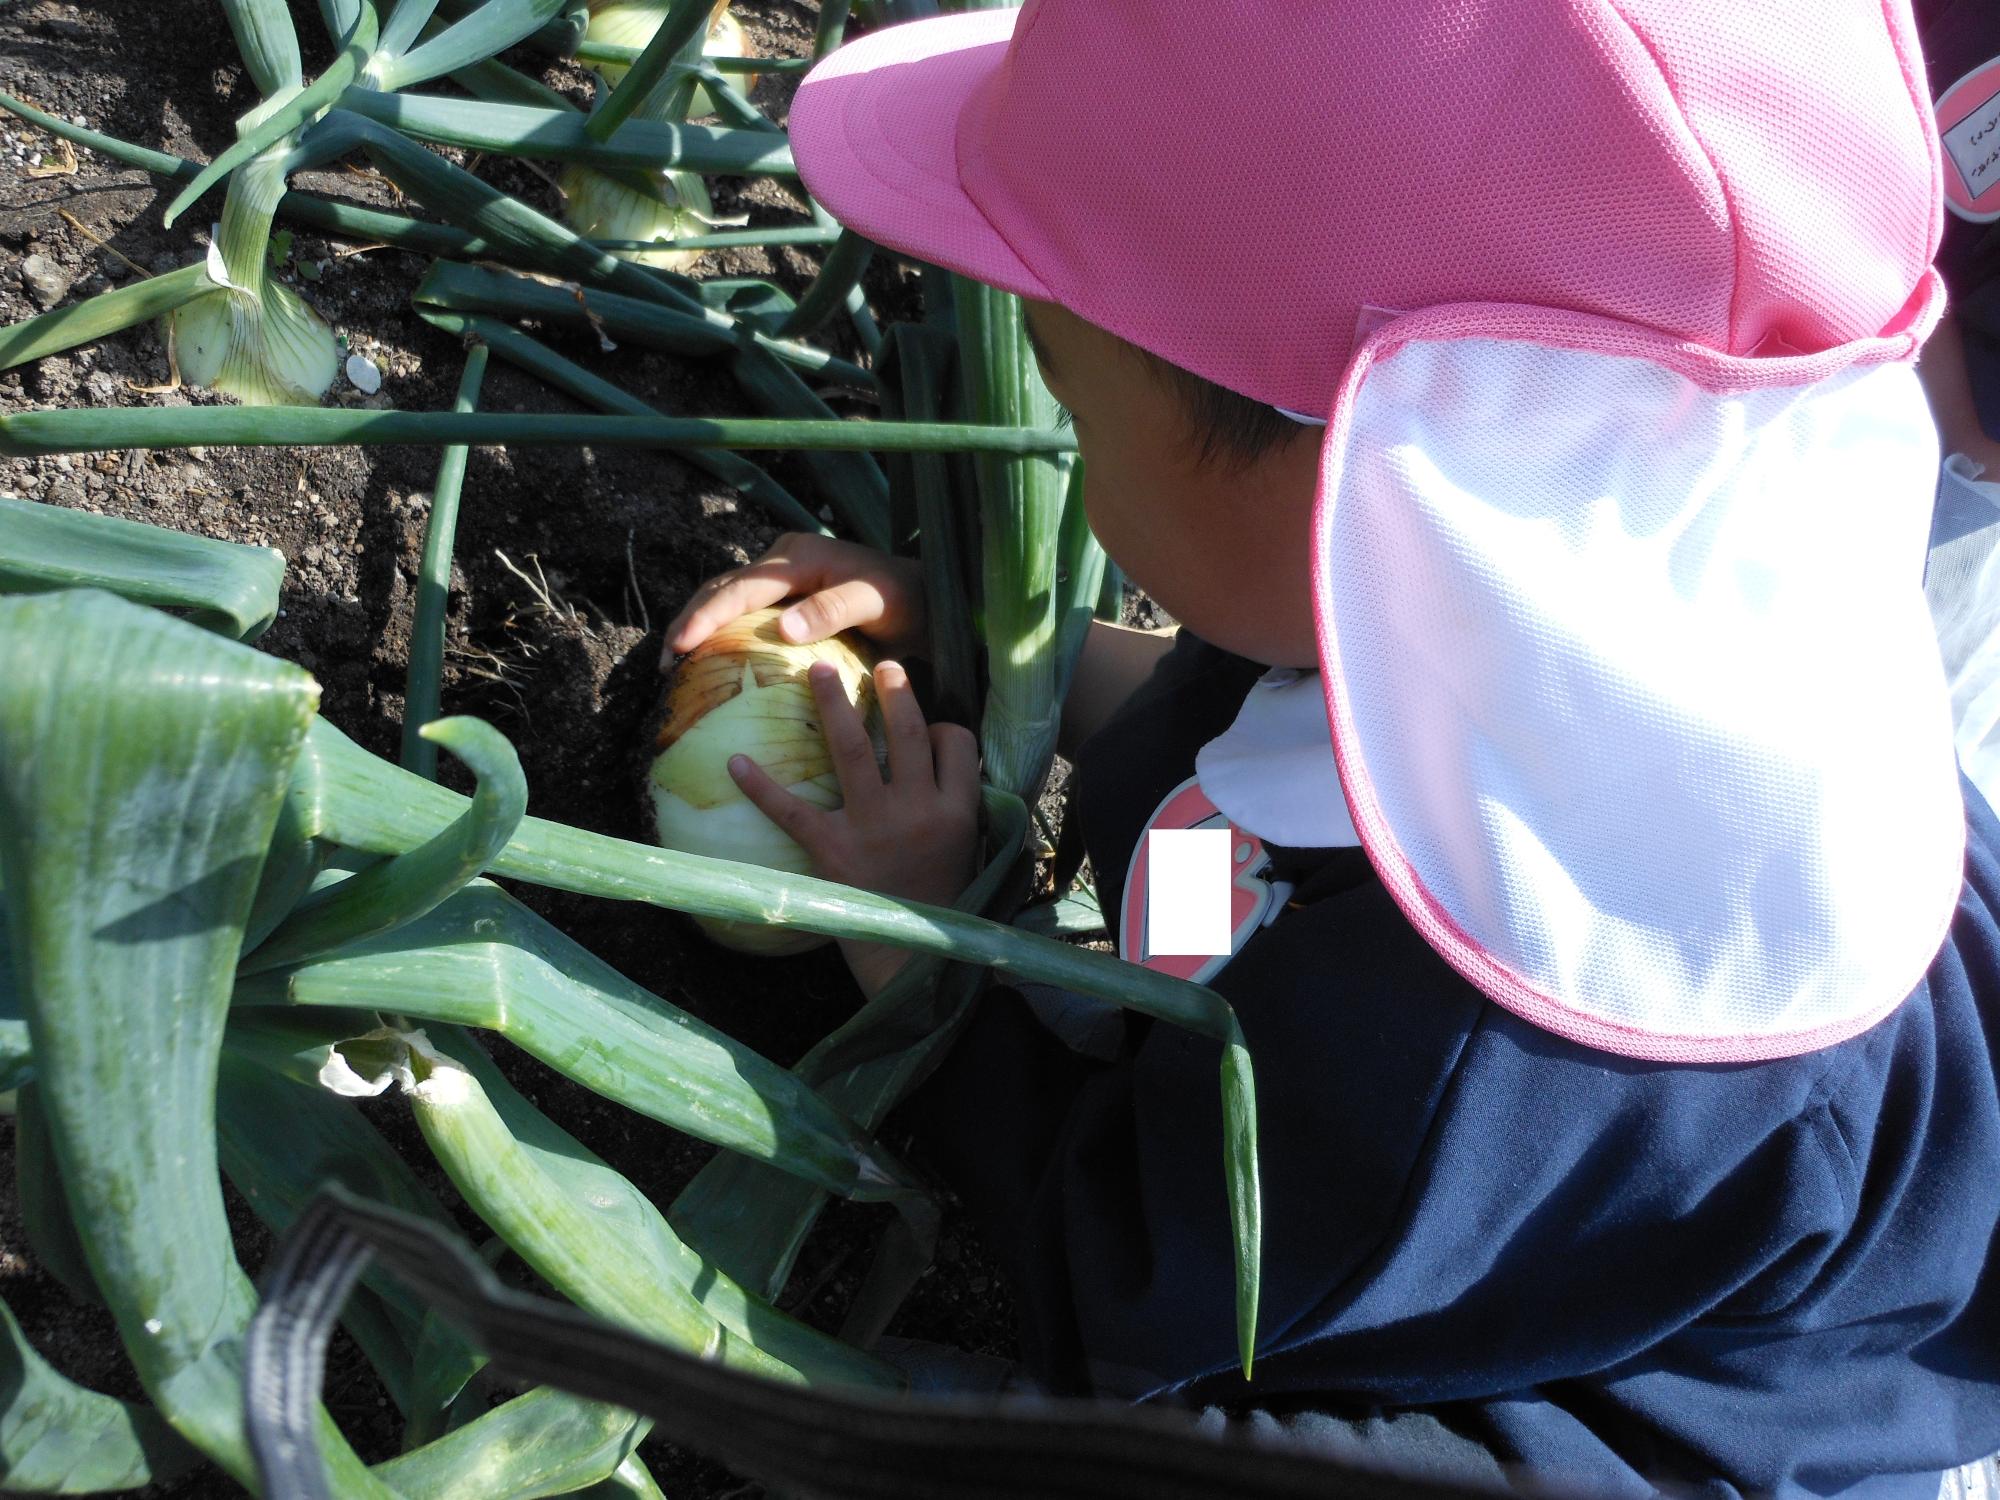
point(1272, 772)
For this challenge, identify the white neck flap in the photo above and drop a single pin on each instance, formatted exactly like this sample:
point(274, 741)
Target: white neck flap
point(1636, 700)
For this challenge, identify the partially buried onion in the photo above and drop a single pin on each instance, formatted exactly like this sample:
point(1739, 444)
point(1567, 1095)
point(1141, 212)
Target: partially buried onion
point(743, 691)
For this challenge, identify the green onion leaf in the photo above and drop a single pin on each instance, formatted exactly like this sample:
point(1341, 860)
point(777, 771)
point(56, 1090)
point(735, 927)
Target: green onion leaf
point(39, 432)
point(142, 765)
point(1020, 513)
point(562, 135)
point(105, 145)
point(270, 47)
point(1246, 1201)
point(56, 1438)
point(427, 624)
point(594, 1237)
point(224, 586)
point(85, 322)
point(274, 127)
point(482, 959)
point(492, 28)
point(401, 889)
point(839, 274)
point(406, 23)
point(544, 1442)
point(281, 1138)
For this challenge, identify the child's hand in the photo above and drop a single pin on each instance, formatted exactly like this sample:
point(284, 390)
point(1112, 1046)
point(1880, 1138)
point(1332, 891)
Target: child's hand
point(915, 835)
point(846, 587)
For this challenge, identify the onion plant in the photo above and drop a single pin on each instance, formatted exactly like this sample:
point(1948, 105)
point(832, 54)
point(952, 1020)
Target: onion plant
point(230, 322)
point(187, 853)
point(659, 206)
point(230, 938)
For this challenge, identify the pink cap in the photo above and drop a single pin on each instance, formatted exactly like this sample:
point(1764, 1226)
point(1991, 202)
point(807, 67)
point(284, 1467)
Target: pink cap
point(1232, 186)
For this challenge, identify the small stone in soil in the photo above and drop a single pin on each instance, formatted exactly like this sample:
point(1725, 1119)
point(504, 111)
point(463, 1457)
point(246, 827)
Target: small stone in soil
point(363, 374)
point(44, 280)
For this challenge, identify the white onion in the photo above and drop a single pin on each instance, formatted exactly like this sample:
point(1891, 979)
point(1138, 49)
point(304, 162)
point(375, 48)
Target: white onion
point(264, 347)
point(631, 23)
point(673, 204)
point(253, 336)
point(744, 691)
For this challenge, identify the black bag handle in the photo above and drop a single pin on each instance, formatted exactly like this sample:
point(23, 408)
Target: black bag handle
point(830, 1445)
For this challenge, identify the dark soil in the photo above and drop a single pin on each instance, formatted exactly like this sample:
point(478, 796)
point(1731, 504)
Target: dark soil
point(569, 562)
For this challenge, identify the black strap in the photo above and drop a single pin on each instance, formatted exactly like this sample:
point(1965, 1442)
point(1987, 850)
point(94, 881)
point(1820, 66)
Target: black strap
point(1316, 874)
point(836, 1445)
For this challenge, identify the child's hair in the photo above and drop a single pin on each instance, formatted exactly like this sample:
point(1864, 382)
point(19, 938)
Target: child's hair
point(1231, 431)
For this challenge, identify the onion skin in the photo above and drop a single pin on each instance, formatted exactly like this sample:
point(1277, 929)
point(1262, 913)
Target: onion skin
point(744, 691)
point(631, 23)
point(600, 207)
point(264, 347)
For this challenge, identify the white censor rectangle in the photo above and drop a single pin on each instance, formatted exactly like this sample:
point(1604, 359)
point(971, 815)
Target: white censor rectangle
point(1187, 892)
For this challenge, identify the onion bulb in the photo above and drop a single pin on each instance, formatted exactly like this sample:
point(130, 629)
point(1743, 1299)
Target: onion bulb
point(668, 206)
point(743, 691)
point(647, 205)
point(631, 23)
point(264, 347)
point(252, 336)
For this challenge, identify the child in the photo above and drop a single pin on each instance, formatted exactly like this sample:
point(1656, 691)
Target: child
point(1961, 375)
point(1513, 403)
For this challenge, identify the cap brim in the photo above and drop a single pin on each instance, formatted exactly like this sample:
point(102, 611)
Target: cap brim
point(875, 129)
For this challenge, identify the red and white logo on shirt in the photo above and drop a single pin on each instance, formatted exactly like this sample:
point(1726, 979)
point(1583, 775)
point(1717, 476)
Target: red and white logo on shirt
point(1254, 899)
point(1968, 122)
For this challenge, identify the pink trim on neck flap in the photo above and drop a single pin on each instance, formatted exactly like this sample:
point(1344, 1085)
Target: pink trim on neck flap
point(1595, 611)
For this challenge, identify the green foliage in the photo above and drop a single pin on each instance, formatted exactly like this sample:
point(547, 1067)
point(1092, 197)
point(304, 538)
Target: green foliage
point(223, 585)
point(56, 1438)
point(231, 940)
point(135, 807)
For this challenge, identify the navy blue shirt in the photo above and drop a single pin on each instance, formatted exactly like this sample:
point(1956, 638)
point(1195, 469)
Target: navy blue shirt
point(1759, 1278)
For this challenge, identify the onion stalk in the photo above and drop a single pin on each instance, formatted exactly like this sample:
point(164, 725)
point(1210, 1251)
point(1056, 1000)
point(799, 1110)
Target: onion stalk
point(1021, 503)
point(744, 691)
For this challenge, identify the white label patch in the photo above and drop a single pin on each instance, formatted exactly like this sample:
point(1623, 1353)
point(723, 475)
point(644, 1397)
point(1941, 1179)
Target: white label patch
point(1974, 144)
point(1968, 117)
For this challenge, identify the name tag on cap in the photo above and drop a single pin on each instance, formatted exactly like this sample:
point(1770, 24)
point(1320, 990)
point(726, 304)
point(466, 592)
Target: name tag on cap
point(1968, 117)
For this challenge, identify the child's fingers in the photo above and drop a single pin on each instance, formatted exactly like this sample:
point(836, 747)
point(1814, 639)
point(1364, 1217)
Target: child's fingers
point(794, 815)
point(795, 563)
point(854, 604)
point(724, 598)
point(955, 749)
point(846, 737)
point(904, 727)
